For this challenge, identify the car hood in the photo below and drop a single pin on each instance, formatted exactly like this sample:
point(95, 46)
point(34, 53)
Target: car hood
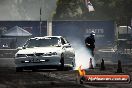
point(39, 50)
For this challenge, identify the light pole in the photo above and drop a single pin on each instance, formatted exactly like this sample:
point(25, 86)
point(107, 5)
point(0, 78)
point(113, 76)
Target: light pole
point(40, 24)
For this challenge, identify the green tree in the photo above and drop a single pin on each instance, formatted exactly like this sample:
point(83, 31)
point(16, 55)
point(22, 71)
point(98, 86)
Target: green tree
point(67, 9)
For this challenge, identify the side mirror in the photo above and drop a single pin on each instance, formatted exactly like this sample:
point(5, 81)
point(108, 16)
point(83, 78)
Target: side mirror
point(23, 47)
point(68, 45)
point(19, 48)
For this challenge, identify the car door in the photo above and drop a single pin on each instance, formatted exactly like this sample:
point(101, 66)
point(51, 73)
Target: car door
point(68, 51)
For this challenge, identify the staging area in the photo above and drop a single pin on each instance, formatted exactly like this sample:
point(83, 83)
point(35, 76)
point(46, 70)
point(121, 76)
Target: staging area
point(54, 79)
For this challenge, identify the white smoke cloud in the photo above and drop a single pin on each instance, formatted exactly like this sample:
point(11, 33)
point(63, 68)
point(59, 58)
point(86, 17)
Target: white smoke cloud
point(82, 55)
point(14, 12)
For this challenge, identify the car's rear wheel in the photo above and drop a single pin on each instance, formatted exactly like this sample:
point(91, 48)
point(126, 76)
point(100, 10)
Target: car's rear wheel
point(73, 65)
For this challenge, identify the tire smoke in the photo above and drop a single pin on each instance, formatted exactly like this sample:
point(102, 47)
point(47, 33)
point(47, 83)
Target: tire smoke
point(82, 55)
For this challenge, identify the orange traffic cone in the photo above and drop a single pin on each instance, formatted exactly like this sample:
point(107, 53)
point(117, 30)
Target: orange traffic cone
point(90, 64)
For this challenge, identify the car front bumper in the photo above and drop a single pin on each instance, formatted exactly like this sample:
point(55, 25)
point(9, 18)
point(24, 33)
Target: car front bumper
point(37, 61)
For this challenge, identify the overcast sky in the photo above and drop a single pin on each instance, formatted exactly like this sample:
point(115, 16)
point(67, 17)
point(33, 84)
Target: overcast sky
point(26, 9)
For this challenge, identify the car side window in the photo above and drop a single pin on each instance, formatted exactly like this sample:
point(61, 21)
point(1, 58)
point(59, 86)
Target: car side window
point(62, 41)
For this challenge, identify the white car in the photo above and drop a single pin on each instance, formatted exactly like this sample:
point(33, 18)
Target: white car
point(45, 52)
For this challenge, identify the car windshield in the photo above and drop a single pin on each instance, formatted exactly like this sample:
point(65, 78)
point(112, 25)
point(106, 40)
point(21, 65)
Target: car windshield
point(45, 42)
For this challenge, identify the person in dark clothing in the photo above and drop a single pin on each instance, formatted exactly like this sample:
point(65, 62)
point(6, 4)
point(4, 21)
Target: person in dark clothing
point(89, 42)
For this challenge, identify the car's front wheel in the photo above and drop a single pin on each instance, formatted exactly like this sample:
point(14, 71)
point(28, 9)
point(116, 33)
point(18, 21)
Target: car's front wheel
point(19, 69)
point(61, 62)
